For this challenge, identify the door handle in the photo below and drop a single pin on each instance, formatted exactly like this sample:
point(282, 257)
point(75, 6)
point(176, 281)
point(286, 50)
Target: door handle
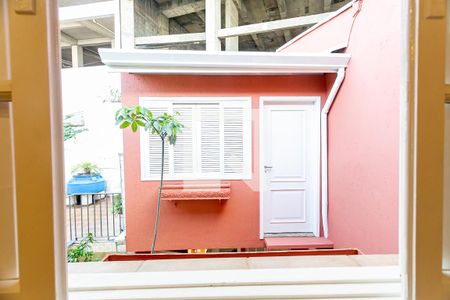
point(267, 169)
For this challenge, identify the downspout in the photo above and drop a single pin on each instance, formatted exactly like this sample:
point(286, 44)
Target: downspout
point(324, 135)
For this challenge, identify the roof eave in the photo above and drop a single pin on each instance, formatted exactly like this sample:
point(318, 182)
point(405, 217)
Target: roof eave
point(223, 63)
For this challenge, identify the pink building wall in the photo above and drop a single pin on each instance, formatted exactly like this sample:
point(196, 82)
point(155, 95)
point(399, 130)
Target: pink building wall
point(364, 127)
point(201, 224)
point(363, 144)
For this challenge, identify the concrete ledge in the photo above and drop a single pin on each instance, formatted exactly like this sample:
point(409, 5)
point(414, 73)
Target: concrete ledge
point(297, 283)
point(166, 265)
point(218, 278)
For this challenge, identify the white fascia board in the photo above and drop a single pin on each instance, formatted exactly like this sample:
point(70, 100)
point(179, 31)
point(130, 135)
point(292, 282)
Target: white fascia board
point(85, 12)
point(203, 62)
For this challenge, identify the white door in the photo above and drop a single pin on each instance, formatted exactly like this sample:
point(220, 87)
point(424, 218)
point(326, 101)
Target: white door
point(291, 167)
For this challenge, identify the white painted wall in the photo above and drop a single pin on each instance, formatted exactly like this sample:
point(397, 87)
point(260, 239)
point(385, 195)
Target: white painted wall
point(84, 90)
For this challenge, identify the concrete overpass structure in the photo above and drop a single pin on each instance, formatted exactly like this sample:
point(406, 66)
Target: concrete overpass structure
point(212, 25)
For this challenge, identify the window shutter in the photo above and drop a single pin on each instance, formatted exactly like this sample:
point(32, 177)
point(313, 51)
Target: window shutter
point(210, 136)
point(215, 142)
point(233, 137)
point(151, 148)
point(183, 158)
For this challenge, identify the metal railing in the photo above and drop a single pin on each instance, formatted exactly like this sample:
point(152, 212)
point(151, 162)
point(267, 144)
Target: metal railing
point(96, 214)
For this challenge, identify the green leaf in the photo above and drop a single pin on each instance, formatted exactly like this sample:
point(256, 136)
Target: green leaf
point(172, 139)
point(124, 125)
point(164, 125)
point(140, 123)
point(81, 252)
point(134, 126)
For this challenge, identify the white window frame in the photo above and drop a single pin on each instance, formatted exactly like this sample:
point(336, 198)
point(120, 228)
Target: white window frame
point(248, 139)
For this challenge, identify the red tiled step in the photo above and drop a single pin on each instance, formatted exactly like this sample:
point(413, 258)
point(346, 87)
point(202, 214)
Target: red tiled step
point(292, 243)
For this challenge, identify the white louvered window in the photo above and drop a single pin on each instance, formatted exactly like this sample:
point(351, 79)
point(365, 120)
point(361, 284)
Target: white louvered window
point(215, 143)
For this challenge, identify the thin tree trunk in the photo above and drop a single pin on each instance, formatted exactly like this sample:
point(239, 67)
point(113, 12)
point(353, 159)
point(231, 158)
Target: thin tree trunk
point(158, 205)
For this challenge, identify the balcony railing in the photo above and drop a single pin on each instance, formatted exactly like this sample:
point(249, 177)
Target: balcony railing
point(101, 214)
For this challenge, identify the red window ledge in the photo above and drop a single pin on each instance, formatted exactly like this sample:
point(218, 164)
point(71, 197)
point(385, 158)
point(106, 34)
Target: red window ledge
point(194, 192)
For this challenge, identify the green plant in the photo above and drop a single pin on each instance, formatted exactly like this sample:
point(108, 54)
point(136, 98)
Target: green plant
point(83, 251)
point(164, 126)
point(113, 96)
point(117, 204)
point(86, 168)
point(70, 130)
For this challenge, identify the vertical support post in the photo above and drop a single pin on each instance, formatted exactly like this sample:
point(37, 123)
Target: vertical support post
point(212, 25)
point(70, 216)
point(282, 8)
point(95, 217)
point(422, 149)
point(127, 24)
point(107, 217)
point(75, 218)
point(81, 217)
point(326, 5)
point(231, 20)
point(315, 6)
point(101, 216)
point(88, 214)
point(77, 56)
point(117, 27)
point(113, 215)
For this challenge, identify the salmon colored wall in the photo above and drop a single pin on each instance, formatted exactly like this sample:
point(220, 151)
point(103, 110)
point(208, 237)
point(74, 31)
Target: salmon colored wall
point(320, 40)
point(364, 129)
point(200, 224)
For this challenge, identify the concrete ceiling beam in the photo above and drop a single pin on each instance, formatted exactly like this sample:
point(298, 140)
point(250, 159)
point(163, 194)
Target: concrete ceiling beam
point(98, 28)
point(86, 11)
point(173, 11)
point(272, 25)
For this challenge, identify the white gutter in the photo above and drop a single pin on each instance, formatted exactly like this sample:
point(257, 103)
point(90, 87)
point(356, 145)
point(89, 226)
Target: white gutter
point(324, 135)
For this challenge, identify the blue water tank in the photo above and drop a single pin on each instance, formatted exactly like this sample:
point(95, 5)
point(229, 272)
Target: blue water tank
point(86, 184)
